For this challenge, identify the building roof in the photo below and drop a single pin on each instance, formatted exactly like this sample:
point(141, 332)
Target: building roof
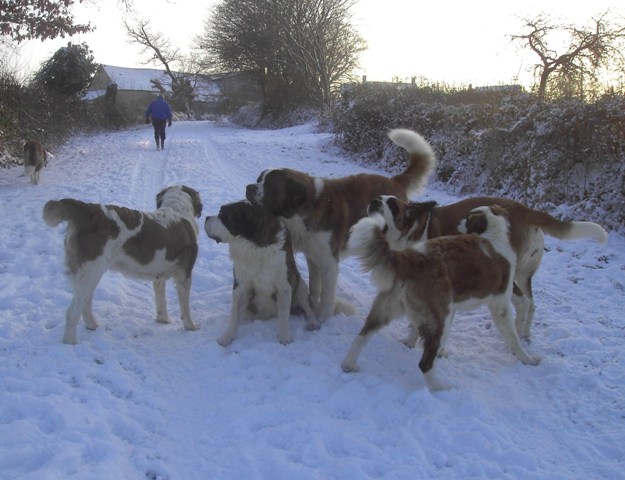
point(141, 79)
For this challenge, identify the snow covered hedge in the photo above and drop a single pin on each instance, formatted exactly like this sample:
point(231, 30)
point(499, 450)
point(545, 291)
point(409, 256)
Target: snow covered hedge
point(499, 142)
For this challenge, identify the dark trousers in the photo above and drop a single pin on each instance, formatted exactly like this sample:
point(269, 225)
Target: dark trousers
point(159, 131)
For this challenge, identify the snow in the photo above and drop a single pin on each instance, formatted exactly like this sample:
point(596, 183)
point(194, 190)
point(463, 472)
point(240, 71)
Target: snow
point(137, 399)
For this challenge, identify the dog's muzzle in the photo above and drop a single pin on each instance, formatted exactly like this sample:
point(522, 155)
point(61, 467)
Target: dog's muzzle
point(208, 231)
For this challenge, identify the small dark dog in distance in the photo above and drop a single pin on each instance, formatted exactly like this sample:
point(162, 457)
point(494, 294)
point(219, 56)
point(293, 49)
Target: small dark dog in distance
point(35, 159)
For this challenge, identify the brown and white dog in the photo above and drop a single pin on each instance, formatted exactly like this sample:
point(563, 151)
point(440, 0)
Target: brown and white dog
point(319, 212)
point(267, 282)
point(148, 245)
point(410, 222)
point(35, 159)
point(429, 281)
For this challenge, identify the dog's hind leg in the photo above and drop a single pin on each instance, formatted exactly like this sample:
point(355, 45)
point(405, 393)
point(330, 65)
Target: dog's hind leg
point(161, 301)
point(501, 311)
point(521, 304)
point(386, 307)
point(449, 321)
point(84, 283)
point(524, 306)
point(183, 288)
point(87, 313)
point(432, 327)
point(527, 266)
point(29, 172)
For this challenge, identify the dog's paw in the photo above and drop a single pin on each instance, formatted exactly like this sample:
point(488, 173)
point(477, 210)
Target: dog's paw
point(345, 308)
point(312, 325)
point(163, 319)
point(349, 367)
point(93, 325)
point(225, 340)
point(70, 340)
point(409, 341)
point(285, 339)
point(434, 383)
point(533, 360)
point(191, 327)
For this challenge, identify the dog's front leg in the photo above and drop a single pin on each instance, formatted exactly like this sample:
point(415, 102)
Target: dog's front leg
point(183, 288)
point(161, 301)
point(329, 277)
point(238, 300)
point(314, 280)
point(284, 313)
point(304, 300)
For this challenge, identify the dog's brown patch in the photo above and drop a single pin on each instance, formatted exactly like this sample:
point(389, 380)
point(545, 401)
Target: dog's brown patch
point(90, 230)
point(131, 218)
point(177, 239)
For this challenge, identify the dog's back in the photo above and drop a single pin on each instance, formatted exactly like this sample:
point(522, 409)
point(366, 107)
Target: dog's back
point(35, 158)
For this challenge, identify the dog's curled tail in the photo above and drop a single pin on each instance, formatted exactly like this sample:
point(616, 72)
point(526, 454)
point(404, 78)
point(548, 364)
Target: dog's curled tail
point(367, 241)
point(568, 230)
point(422, 159)
point(65, 210)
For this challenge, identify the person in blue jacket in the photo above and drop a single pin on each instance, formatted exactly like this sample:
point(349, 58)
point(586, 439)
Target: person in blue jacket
point(160, 113)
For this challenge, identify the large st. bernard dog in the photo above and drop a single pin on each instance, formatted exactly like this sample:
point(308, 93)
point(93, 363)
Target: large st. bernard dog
point(319, 212)
point(35, 159)
point(429, 281)
point(267, 282)
point(148, 245)
point(410, 222)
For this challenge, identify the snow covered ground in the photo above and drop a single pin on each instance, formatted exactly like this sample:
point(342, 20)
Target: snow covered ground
point(136, 399)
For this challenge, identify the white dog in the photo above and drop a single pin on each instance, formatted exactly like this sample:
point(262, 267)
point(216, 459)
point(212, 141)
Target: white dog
point(149, 245)
point(266, 280)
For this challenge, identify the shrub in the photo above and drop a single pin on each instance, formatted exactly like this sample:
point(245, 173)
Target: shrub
point(499, 141)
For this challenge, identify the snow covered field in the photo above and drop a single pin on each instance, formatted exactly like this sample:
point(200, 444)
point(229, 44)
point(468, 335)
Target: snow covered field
point(136, 399)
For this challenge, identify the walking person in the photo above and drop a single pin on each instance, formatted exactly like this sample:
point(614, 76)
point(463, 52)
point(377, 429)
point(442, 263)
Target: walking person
point(160, 113)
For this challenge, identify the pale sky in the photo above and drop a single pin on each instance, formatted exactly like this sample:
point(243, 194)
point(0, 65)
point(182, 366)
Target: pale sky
point(451, 41)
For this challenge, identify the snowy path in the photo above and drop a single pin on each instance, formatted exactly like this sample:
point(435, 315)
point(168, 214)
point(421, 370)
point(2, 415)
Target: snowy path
point(136, 399)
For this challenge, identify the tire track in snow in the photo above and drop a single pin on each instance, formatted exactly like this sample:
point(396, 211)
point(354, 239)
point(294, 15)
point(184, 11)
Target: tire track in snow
point(147, 175)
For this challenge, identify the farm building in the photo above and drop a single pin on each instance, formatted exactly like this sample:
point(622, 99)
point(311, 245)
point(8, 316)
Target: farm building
point(133, 88)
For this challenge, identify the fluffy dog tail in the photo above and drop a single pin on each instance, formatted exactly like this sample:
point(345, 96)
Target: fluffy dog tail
point(66, 210)
point(421, 156)
point(367, 241)
point(564, 230)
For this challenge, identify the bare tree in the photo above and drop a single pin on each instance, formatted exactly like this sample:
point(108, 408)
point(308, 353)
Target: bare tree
point(321, 43)
point(590, 49)
point(302, 49)
point(161, 51)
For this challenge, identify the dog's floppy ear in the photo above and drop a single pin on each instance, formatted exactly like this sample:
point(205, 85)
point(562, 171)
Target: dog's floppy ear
point(195, 199)
point(476, 222)
point(159, 197)
point(415, 209)
point(295, 196)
